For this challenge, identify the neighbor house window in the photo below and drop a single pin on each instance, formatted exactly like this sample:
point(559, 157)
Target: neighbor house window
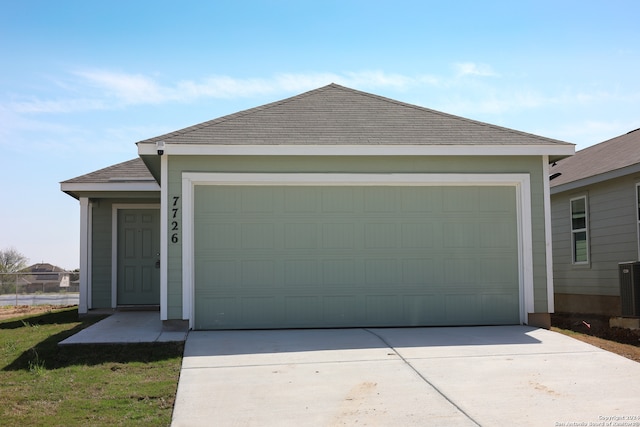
point(579, 232)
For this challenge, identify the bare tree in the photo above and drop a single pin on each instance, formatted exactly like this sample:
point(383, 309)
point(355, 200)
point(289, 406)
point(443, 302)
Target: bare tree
point(11, 260)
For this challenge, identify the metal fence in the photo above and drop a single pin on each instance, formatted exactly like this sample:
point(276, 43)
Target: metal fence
point(34, 288)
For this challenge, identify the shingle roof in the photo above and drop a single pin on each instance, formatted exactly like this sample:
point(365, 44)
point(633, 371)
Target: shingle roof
point(611, 155)
point(131, 170)
point(334, 115)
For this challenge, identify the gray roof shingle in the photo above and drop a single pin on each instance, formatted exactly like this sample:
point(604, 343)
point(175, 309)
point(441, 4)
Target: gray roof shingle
point(333, 115)
point(608, 156)
point(129, 171)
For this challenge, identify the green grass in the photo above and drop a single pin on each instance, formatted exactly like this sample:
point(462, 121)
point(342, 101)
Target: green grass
point(42, 384)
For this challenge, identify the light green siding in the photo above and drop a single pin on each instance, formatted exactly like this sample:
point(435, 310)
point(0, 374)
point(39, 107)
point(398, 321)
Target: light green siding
point(531, 165)
point(355, 256)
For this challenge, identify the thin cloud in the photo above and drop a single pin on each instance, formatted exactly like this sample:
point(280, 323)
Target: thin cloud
point(110, 90)
point(36, 106)
point(464, 69)
point(129, 88)
point(103, 89)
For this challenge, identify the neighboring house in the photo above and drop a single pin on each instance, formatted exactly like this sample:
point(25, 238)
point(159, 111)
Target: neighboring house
point(595, 204)
point(44, 277)
point(333, 208)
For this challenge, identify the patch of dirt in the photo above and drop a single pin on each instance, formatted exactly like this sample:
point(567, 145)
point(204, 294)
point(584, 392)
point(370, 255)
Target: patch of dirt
point(595, 330)
point(10, 311)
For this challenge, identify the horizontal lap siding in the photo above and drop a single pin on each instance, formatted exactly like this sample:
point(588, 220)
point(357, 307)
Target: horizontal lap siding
point(612, 237)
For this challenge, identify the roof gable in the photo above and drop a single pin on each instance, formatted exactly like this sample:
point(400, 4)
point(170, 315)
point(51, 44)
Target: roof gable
point(336, 115)
point(602, 161)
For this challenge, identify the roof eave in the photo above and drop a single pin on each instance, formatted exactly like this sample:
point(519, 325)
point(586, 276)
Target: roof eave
point(555, 152)
point(76, 189)
point(595, 179)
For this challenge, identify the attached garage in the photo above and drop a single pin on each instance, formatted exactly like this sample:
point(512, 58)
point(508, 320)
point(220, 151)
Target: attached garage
point(388, 253)
point(331, 208)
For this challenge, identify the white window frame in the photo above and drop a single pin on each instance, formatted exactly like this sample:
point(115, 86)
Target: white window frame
point(585, 230)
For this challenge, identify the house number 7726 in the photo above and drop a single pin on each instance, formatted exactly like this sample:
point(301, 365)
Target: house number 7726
point(174, 220)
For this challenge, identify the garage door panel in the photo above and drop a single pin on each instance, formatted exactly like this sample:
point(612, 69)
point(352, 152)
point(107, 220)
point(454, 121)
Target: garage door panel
point(338, 235)
point(254, 200)
point(223, 200)
point(261, 310)
point(460, 200)
point(301, 273)
point(424, 309)
point(383, 310)
point(258, 273)
point(381, 200)
point(460, 271)
point(380, 235)
point(340, 310)
point(219, 236)
point(421, 200)
point(301, 236)
point(496, 200)
point(492, 271)
point(354, 256)
point(258, 236)
point(339, 272)
point(499, 308)
point(381, 273)
point(223, 312)
point(417, 235)
point(497, 236)
point(225, 273)
point(463, 308)
point(419, 271)
point(303, 311)
point(337, 199)
point(300, 200)
point(460, 234)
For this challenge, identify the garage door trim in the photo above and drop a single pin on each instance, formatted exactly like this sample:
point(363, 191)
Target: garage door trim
point(521, 182)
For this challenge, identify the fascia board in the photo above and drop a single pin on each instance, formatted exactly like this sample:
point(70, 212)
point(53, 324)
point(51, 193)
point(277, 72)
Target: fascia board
point(109, 186)
point(359, 150)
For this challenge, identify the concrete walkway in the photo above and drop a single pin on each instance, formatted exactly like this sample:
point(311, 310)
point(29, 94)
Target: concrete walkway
point(126, 327)
point(489, 376)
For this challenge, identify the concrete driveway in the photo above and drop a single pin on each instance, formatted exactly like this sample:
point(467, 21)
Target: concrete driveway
point(465, 376)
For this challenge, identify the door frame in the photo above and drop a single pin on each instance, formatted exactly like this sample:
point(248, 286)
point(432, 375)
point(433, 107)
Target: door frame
point(520, 181)
point(114, 242)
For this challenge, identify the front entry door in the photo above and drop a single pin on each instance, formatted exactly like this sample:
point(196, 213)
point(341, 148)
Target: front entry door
point(138, 257)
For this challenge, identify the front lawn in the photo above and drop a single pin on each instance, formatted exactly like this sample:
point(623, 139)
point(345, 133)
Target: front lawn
point(42, 384)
